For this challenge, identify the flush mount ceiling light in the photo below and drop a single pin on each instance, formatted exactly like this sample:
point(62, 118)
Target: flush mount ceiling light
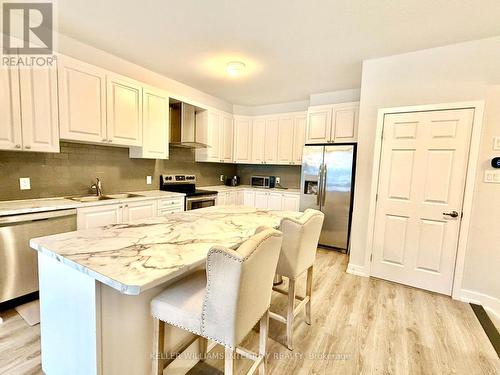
point(235, 68)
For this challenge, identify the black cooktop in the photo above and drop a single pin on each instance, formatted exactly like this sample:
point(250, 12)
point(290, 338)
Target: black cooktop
point(198, 192)
point(188, 189)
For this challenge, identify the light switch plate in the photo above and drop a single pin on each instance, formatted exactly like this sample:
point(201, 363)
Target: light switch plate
point(24, 183)
point(492, 176)
point(149, 180)
point(496, 143)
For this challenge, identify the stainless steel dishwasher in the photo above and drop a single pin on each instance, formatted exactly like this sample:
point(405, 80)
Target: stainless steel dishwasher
point(18, 262)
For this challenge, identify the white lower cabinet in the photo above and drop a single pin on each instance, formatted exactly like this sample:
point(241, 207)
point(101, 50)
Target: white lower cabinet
point(98, 216)
point(125, 212)
point(291, 202)
point(138, 210)
point(271, 200)
point(170, 205)
point(227, 198)
point(261, 199)
point(275, 201)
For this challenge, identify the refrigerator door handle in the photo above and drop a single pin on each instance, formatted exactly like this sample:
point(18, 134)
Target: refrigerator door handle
point(320, 182)
point(323, 189)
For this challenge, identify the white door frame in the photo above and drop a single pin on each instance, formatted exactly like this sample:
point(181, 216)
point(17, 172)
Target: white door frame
point(472, 166)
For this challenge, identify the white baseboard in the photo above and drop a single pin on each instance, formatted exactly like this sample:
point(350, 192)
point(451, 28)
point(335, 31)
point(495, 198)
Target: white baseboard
point(490, 304)
point(354, 269)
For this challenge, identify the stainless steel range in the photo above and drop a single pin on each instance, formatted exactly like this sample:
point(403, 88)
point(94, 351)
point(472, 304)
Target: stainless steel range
point(195, 198)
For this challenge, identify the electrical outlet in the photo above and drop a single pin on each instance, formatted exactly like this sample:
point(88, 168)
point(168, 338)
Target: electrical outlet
point(492, 176)
point(221, 178)
point(278, 180)
point(25, 183)
point(496, 143)
point(149, 180)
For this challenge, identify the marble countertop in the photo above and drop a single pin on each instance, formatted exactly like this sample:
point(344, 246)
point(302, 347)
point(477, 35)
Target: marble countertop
point(17, 207)
point(137, 256)
point(223, 188)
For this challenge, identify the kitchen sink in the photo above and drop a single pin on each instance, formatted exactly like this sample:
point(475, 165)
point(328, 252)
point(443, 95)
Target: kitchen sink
point(122, 196)
point(90, 198)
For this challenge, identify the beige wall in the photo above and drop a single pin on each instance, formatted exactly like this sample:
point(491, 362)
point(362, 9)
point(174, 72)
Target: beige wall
point(72, 171)
point(461, 72)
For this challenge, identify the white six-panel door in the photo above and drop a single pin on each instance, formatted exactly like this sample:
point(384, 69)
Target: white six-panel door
point(421, 184)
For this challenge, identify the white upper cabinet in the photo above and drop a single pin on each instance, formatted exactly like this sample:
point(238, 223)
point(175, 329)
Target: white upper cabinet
point(10, 111)
point(82, 101)
point(345, 122)
point(271, 141)
point(28, 109)
point(226, 138)
point(335, 123)
point(242, 140)
point(258, 140)
point(124, 111)
point(299, 138)
point(285, 140)
point(155, 126)
point(213, 134)
point(216, 130)
point(208, 130)
point(319, 124)
point(39, 110)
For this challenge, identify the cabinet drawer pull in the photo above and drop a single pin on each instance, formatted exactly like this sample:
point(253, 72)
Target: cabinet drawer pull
point(27, 147)
point(18, 146)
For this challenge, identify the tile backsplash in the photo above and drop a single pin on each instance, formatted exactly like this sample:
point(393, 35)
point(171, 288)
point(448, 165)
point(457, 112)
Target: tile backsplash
point(72, 171)
point(289, 175)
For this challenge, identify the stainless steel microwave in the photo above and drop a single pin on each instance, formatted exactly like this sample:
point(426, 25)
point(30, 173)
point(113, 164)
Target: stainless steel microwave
point(267, 182)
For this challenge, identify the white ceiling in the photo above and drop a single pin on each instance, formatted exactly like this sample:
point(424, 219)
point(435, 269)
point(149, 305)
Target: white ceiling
point(292, 47)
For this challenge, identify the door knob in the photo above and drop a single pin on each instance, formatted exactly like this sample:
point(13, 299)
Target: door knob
point(451, 214)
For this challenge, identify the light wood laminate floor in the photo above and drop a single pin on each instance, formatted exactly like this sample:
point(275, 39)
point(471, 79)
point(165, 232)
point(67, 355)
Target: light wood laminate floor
point(359, 326)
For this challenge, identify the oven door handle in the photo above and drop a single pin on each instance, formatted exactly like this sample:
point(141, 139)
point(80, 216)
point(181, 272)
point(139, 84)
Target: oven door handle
point(203, 198)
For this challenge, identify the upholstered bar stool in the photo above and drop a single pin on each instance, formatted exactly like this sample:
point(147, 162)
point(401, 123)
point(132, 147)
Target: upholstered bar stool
point(224, 302)
point(300, 241)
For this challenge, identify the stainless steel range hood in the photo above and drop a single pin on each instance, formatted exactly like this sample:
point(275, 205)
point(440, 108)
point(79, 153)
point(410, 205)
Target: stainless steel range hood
point(183, 125)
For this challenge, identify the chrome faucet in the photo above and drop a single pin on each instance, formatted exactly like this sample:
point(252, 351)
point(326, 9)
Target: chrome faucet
point(97, 187)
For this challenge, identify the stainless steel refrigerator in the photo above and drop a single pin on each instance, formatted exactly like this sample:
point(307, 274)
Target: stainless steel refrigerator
point(326, 185)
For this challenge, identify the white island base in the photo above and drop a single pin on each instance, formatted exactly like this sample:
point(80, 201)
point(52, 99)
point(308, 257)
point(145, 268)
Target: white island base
point(90, 328)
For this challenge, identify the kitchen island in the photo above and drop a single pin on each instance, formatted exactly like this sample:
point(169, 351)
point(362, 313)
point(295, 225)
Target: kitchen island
point(96, 285)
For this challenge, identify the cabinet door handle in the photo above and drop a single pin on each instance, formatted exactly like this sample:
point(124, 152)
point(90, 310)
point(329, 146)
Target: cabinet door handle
point(18, 146)
point(110, 140)
point(104, 140)
point(27, 147)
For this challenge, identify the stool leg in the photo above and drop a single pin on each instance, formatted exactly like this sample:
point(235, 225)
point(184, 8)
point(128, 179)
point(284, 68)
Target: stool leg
point(289, 319)
point(309, 294)
point(158, 346)
point(263, 333)
point(203, 344)
point(228, 362)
